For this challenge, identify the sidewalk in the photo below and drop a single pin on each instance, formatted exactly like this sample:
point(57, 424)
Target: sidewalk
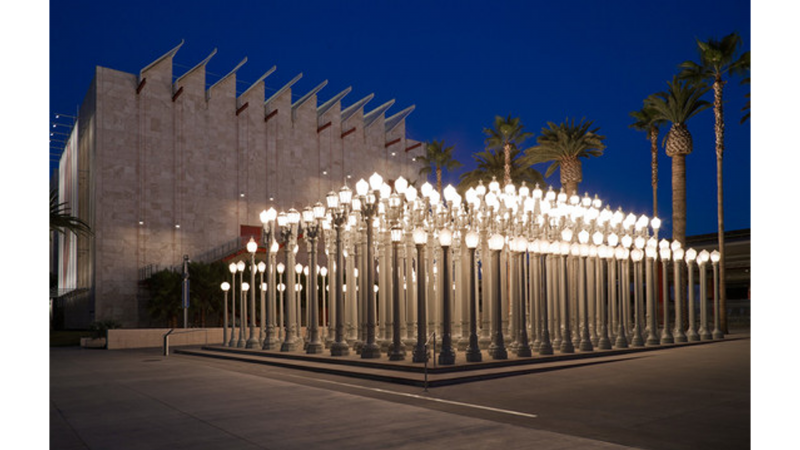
point(141, 400)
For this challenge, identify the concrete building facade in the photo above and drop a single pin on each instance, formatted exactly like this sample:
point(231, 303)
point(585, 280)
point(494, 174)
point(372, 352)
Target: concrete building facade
point(170, 167)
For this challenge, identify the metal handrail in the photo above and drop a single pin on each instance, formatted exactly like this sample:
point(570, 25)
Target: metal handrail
point(170, 333)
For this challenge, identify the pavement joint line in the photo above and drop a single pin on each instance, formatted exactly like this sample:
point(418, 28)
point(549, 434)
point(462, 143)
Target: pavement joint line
point(421, 397)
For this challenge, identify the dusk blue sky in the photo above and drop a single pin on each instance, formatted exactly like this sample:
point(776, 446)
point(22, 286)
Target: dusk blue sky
point(460, 63)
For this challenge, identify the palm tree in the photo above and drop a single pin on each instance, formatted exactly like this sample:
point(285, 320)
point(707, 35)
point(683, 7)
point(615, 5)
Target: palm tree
point(506, 135)
point(746, 108)
point(717, 59)
point(61, 221)
point(647, 121)
point(491, 165)
point(563, 145)
point(439, 157)
point(677, 105)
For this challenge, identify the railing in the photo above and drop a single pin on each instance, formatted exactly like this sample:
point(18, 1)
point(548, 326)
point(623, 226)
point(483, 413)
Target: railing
point(170, 333)
point(212, 255)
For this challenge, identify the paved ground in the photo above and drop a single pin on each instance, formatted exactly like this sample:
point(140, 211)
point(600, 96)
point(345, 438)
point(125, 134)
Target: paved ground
point(686, 398)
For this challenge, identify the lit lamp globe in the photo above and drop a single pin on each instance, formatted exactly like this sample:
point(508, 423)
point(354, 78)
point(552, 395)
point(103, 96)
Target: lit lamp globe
point(714, 256)
point(397, 234)
point(298, 268)
point(282, 219)
point(225, 286)
point(656, 224)
point(375, 181)
point(293, 216)
point(627, 241)
point(420, 236)
point(472, 239)
point(240, 266)
point(323, 271)
point(677, 254)
point(636, 255)
point(245, 286)
point(411, 194)
point(281, 268)
point(252, 247)
point(613, 240)
point(261, 267)
point(332, 200)
point(703, 257)
point(445, 237)
point(400, 185)
point(597, 238)
point(566, 234)
point(232, 267)
point(426, 190)
point(345, 195)
point(496, 242)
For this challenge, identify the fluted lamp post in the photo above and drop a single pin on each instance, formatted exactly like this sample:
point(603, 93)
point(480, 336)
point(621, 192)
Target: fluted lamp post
point(233, 268)
point(702, 259)
point(311, 217)
point(262, 266)
point(677, 259)
point(523, 346)
point(497, 349)
point(447, 356)
point(691, 333)
point(369, 206)
point(636, 256)
point(717, 334)
point(252, 248)
point(420, 349)
point(339, 205)
point(665, 254)
point(241, 343)
point(398, 351)
point(225, 286)
point(472, 239)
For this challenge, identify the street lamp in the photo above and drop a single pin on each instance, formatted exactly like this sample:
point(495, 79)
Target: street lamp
point(677, 258)
point(447, 356)
point(473, 348)
point(398, 351)
point(225, 286)
point(241, 343)
point(691, 256)
point(702, 259)
point(420, 349)
point(666, 333)
point(497, 349)
point(652, 323)
point(262, 267)
point(523, 346)
point(636, 255)
point(281, 302)
point(718, 334)
point(233, 268)
point(338, 206)
point(252, 248)
point(268, 218)
point(369, 206)
point(311, 218)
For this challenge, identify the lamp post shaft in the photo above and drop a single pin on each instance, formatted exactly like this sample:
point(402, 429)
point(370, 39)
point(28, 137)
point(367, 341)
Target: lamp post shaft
point(523, 346)
point(398, 350)
point(447, 355)
point(312, 299)
point(473, 348)
point(420, 350)
point(497, 350)
point(371, 348)
point(252, 341)
point(339, 347)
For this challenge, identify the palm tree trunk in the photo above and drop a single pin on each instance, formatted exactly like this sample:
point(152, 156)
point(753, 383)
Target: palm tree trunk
point(654, 165)
point(679, 198)
point(507, 166)
point(439, 180)
point(719, 131)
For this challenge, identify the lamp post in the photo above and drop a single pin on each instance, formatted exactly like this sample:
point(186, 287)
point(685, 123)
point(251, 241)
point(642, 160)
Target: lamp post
point(447, 356)
point(622, 339)
point(473, 347)
point(225, 286)
point(369, 206)
point(268, 217)
point(545, 346)
point(262, 266)
point(523, 346)
point(636, 256)
point(652, 326)
point(603, 342)
point(281, 288)
point(666, 333)
point(311, 217)
point(702, 259)
point(323, 271)
point(691, 334)
point(289, 224)
point(497, 349)
point(586, 341)
point(715, 256)
point(420, 349)
point(233, 268)
point(338, 206)
point(241, 343)
point(677, 258)
point(397, 352)
point(252, 247)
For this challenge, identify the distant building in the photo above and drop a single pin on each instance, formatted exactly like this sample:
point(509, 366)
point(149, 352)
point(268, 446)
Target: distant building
point(161, 166)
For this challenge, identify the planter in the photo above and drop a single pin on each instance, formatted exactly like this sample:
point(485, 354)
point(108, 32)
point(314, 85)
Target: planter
point(93, 342)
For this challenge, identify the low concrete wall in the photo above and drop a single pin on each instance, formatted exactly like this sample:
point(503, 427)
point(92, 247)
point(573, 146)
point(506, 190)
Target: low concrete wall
point(154, 337)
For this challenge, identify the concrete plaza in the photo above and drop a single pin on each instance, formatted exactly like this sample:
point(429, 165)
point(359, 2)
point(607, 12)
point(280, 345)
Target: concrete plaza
point(672, 398)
